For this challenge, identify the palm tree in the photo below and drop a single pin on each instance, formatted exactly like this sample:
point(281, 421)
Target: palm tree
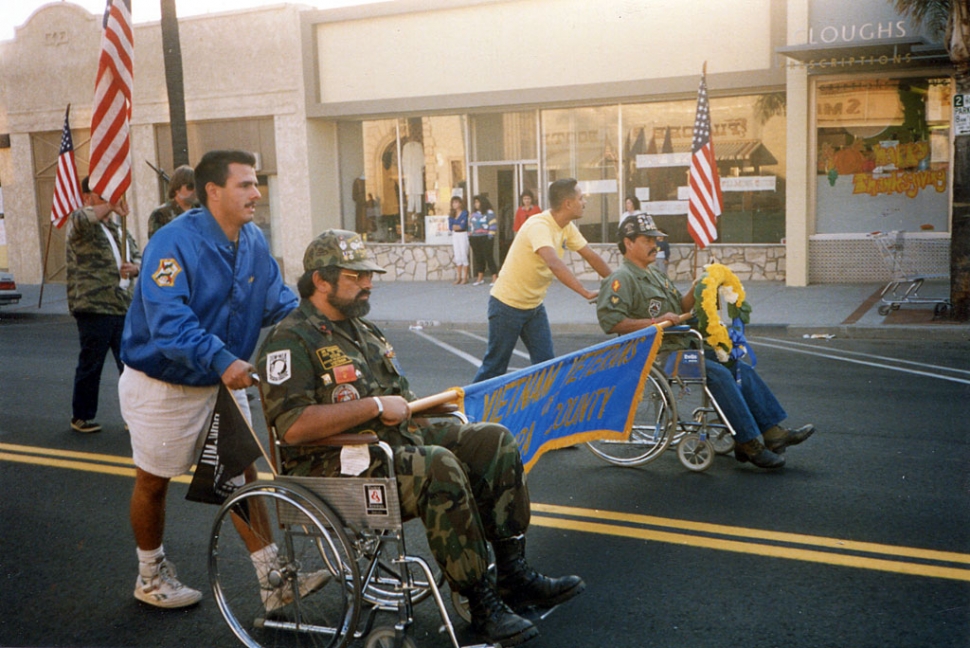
point(950, 19)
point(172, 51)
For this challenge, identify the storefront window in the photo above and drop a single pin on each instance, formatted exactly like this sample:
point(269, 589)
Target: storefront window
point(883, 155)
point(581, 143)
point(749, 143)
point(411, 168)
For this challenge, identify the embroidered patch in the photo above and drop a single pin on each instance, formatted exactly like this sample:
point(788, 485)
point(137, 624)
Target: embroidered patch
point(344, 394)
point(344, 374)
point(615, 285)
point(655, 307)
point(168, 270)
point(327, 379)
point(278, 369)
point(332, 356)
point(614, 300)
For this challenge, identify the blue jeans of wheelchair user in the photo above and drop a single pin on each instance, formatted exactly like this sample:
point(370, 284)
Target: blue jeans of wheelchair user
point(505, 326)
point(750, 406)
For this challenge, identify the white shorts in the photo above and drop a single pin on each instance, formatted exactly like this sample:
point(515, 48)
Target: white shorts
point(166, 421)
point(459, 245)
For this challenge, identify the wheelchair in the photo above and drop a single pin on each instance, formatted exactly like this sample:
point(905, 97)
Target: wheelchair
point(680, 387)
point(342, 560)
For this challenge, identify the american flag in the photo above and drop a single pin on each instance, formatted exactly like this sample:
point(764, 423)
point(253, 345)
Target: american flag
point(67, 189)
point(705, 185)
point(110, 174)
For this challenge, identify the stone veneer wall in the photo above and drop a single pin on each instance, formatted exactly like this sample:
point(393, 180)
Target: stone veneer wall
point(416, 262)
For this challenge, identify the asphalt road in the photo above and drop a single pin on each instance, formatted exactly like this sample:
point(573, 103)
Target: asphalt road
point(862, 540)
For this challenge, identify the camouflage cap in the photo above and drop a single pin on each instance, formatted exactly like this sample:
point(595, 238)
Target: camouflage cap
point(341, 248)
point(639, 225)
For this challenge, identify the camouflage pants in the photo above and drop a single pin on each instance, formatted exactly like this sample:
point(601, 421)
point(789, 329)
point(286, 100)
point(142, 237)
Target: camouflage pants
point(467, 485)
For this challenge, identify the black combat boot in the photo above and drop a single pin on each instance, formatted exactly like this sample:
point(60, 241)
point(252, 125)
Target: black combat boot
point(521, 586)
point(493, 618)
point(778, 438)
point(756, 452)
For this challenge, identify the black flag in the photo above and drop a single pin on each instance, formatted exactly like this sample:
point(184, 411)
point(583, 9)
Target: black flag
point(230, 447)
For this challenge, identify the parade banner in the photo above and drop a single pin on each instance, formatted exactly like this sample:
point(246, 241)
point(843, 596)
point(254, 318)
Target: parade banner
point(587, 395)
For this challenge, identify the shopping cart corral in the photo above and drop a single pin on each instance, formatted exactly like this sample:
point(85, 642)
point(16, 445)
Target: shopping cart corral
point(905, 280)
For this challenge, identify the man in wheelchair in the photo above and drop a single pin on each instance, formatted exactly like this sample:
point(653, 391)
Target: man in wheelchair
point(325, 370)
point(637, 296)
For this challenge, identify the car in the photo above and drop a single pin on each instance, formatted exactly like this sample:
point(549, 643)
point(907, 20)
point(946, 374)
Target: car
point(8, 289)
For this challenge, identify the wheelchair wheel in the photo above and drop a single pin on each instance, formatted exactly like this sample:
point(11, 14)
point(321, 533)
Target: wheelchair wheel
point(653, 427)
point(316, 587)
point(717, 433)
point(381, 577)
point(386, 637)
point(695, 452)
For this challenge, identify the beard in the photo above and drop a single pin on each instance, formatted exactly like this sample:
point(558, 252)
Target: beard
point(351, 308)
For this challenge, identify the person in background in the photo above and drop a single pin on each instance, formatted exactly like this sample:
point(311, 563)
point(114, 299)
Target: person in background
point(631, 206)
point(99, 273)
point(181, 198)
point(482, 226)
point(663, 254)
point(515, 305)
point(194, 322)
point(458, 224)
point(527, 207)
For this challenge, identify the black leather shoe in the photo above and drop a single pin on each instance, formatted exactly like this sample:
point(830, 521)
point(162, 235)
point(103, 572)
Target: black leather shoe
point(779, 438)
point(756, 452)
point(522, 587)
point(493, 619)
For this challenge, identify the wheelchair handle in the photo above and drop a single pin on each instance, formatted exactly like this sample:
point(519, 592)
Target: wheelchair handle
point(429, 402)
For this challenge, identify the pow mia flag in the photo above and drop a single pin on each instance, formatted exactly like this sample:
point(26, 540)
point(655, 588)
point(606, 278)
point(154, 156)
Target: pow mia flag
point(229, 448)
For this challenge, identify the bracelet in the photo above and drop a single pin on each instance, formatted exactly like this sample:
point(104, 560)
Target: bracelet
point(380, 407)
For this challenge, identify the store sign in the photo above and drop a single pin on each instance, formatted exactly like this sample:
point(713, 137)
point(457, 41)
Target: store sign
point(436, 230)
point(748, 183)
point(961, 114)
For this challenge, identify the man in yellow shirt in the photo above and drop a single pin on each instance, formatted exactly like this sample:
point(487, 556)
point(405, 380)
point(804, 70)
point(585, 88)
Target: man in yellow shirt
point(515, 307)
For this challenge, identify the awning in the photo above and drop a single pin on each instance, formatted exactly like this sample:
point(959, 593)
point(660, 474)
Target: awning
point(910, 52)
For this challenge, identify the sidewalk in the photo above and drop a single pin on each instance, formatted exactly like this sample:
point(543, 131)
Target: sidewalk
point(842, 310)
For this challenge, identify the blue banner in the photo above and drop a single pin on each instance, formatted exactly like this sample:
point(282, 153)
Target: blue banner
point(587, 395)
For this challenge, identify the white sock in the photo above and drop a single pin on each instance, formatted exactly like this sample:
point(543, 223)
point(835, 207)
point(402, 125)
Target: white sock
point(264, 561)
point(148, 561)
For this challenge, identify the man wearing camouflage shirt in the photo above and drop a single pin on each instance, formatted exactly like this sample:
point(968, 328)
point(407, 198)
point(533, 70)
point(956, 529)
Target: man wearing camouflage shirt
point(325, 370)
point(181, 198)
point(99, 289)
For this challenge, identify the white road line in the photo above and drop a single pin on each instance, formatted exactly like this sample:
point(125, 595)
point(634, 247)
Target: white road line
point(867, 355)
point(447, 347)
point(877, 365)
point(475, 336)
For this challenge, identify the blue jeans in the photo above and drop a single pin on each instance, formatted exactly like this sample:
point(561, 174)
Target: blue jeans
point(97, 334)
point(505, 326)
point(750, 407)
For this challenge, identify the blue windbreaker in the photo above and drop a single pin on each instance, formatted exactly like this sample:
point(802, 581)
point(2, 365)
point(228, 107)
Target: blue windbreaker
point(200, 301)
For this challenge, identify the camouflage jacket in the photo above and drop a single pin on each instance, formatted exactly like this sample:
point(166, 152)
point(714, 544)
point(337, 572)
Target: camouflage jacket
point(163, 215)
point(93, 278)
point(307, 360)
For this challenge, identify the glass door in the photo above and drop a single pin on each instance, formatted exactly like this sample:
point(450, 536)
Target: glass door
point(502, 183)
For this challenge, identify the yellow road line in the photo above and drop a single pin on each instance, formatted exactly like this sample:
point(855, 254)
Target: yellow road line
point(805, 555)
point(823, 550)
point(756, 534)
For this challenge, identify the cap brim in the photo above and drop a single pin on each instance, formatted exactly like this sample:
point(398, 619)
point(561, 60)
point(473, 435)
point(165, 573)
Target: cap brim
point(653, 233)
point(363, 265)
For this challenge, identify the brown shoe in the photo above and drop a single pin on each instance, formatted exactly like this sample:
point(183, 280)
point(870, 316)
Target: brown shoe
point(756, 452)
point(779, 438)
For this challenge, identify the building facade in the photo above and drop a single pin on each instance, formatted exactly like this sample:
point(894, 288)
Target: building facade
point(830, 120)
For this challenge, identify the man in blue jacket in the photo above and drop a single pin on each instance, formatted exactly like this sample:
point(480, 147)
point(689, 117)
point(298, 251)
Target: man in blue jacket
point(209, 284)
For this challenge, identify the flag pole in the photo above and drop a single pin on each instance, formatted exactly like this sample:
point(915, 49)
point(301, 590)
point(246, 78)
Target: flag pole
point(43, 273)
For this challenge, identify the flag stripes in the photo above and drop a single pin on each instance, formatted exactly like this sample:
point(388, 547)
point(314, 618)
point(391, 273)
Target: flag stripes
point(704, 183)
point(67, 188)
point(110, 173)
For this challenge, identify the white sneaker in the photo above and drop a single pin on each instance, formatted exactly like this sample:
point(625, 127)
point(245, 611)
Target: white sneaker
point(163, 589)
point(279, 597)
point(479, 282)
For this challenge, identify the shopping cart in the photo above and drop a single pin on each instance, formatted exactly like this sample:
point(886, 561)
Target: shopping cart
point(904, 281)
